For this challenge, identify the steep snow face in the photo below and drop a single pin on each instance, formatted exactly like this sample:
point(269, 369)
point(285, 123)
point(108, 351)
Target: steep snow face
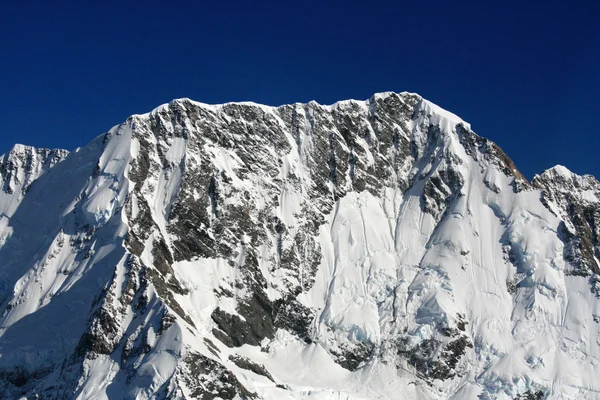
point(367, 249)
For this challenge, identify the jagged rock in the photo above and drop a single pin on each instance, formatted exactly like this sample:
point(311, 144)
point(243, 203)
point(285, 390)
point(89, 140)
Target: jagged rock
point(380, 247)
point(207, 380)
point(245, 363)
point(576, 199)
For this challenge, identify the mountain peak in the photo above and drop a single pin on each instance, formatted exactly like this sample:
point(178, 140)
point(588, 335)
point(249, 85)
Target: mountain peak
point(24, 164)
point(568, 180)
point(240, 251)
point(20, 149)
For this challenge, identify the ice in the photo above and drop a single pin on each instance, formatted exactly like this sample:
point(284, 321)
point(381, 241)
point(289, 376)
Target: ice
point(403, 266)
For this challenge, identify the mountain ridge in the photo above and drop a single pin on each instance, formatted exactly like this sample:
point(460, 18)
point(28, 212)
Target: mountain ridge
point(243, 251)
point(251, 103)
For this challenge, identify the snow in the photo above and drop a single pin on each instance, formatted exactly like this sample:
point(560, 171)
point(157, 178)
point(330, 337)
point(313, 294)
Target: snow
point(106, 194)
point(562, 171)
point(445, 119)
point(202, 300)
point(388, 270)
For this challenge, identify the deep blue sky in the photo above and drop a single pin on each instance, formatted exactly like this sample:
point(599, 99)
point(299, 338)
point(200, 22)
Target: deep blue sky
point(524, 75)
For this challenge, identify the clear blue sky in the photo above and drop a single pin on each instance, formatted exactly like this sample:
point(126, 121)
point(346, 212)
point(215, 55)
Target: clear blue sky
point(524, 74)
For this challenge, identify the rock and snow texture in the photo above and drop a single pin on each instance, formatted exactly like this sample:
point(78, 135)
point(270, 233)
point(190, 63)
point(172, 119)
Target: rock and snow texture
point(373, 249)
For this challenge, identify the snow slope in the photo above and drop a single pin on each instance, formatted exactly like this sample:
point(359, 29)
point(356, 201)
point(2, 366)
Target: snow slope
point(373, 249)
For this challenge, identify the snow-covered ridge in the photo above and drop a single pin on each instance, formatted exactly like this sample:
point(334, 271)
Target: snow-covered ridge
point(362, 250)
point(23, 164)
point(19, 168)
point(165, 106)
point(377, 96)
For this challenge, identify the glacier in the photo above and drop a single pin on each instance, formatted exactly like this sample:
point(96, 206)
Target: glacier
point(374, 249)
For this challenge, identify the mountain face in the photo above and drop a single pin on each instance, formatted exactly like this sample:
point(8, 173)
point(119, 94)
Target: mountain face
point(373, 249)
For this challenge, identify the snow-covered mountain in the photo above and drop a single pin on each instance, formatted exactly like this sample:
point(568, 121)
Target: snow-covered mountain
point(373, 249)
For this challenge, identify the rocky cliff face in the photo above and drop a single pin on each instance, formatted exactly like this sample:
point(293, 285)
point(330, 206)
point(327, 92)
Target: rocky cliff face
point(368, 249)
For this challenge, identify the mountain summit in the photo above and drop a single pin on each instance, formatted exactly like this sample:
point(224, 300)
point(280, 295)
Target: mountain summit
point(373, 249)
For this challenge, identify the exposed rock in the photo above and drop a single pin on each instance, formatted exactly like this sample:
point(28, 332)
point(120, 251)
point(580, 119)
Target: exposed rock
point(207, 380)
point(245, 363)
point(383, 236)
